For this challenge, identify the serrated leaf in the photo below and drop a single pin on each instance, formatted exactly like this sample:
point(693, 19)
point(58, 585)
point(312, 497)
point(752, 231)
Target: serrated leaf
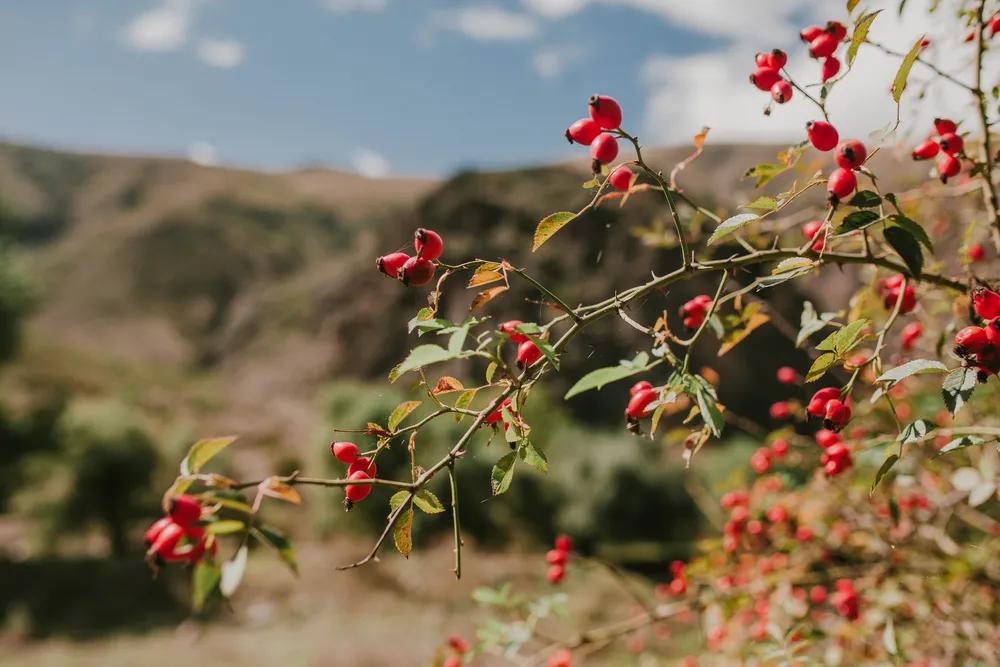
point(842, 340)
point(402, 534)
point(915, 367)
point(730, 225)
point(464, 401)
point(503, 473)
point(202, 452)
point(534, 457)
point(793, 264)
point(487, 295)
point(550, 225)
point(280, 543)
point(961, 442)
point(427, 502)
point(903, 73)
point(915, 431)
point(861, 28)
point(820, 366)
point(446, 385)
point(597, 379)
point(856, 220)
point(232, 572)
point(401, 412)
point(398, 499)
point(883, 471)
point(764, 172)
point(914, 229)
point(958, 387)
point(424, 355)
point(204, 582)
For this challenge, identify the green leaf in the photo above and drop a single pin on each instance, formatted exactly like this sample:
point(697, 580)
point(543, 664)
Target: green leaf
point(534, 457)
point(225, 527)
point(820, 366)
point(490, 371)
point(597, 379)
point(232, 572)
point(765, 172)
point(398, 499)
point(793, 264)
point(907, 247)
point(958, 387)
point(427, 502)
point(284, 548)
point(861, 27)
point(899, 84)
point(401, 412)
point(709, 409)
point(464, 400)
point(202, 452)
point(865, 199)
point(550, 225)
point(883, 471)
point(730, 225)
point(424, 355)
point(961, 443)
point(915, 367)
point(205, 581)
point(914, 229)
point(503, 473)
point(842, 340)
point(402, 534)
point(857, 220)
point(915, 431)
point(762, 204)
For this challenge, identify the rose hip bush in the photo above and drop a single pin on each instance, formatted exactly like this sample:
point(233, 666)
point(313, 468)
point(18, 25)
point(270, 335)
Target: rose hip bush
point(866, 529)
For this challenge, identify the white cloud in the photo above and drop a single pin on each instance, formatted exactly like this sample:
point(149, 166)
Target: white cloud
point(163, 28)
point(203, 153)
point(554, 9)
point(345, 6)
point(486, 23)
point(224, 53)
point(369, 163)
point(550, 62)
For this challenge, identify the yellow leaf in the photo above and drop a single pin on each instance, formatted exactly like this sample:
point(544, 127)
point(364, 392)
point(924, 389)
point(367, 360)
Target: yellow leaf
point(486, 273)
point(486, 296)
point(549, 226)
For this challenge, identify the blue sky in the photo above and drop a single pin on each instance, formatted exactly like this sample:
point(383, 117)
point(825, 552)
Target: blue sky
point(395, 86)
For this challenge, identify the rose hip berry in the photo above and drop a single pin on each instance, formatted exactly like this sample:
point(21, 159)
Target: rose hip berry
point(555, 573)
point(391, 264)
point(583, 131)
point(951, 143)
point(822, 135)
point(527, 354)
point(823, 46)
point(780, 410)
point(986, 303)
point(621, 178)
point(837, 415)
point(637, 405)
point(787, 375)
point(970, 340)
point(851, 154)
point(764, 78)
point(944, 126)
point(428, 244)
point(510, 328)
point(346, 452)
point(606, 112)
point(948, 166)
point(909, 335)
point(604, 149)
point(781, 91)
point(829, 68)
point(976, 252)
point(417, 271)
point(185, 509)
point(355, 493)
point(810, 33)
point(641, 385)
point(841, 184)
point(362, 464)
point(926, 150)
point(817, 404)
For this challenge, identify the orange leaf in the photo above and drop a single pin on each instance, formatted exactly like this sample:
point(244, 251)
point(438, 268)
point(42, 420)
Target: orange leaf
point(447, 384)
point(486, 296)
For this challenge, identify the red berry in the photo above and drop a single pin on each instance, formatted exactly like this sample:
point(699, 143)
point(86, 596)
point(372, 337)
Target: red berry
point(779, 447)
point(561, 658)
point(817, 594)
point(994, 27)
point(556, 557)
point(185, 509)
point(926, 150)
point(851, 154)
point(564, 543)
point(495, 416)
point(637, 405)
point(817, 404)
point(986, 303)
point(604, 148)
point(428, 244)
point(452, 661)
point(976, 252)
point(944, 126)
point(781, 91)
point(527, 354)
point(641, 385)
point(355, 493)
point(153, 532)
point(810, 33)
point(765, 77)
point(510, 328)
point(762, 59)
point(362, 464)
point(777, 514)
point(391, 264)
point(837, 414)
point(951, 143)
point(606, 112)
point(826, 438)
point(841, 184)
point(556, 573)
point(583, 131)
point(837, 30)
point(417, 271)
point(829, 68)
point(346, 452)
point(777, 58)
point(970, 340)
point(911, 332)
point(822, 135)
point(823, 46)
point(948, 166)
point(458, 645)
point(780, 410)
point(621, 178)
point(787, 375)
point(166, 542)
point(760, 461)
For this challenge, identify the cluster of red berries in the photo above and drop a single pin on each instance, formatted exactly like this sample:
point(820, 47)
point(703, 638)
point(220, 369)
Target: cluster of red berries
point(358, 468)
point(947, 143)
point(678, 585)
point(605, 114)
point(177, 537)
point(836, 457)
point(558, 558)
point(763, 457)
point(823, 43)
point(846, 600)
point(458, 648)
point(695, 310)
point(781, 410)
point(979, 346)
point(419, 269)
point(767, 76)
point(527, 352)
point(642, 396)
point(889, 290)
